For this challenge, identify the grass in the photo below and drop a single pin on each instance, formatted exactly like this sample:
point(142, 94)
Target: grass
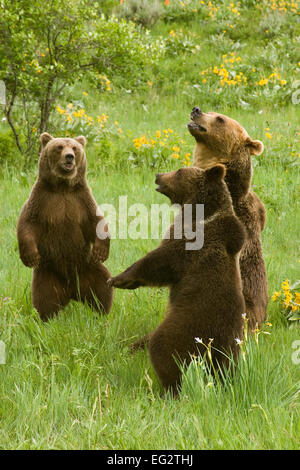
point(72, 383)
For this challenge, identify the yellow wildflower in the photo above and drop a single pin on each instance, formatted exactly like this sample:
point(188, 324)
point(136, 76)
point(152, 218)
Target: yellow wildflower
point(276, 295)
point(263, 82)
point(60, 110)
point(297, 298)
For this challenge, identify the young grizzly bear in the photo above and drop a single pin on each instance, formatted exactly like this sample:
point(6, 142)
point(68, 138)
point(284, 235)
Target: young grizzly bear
point(206, 298)
point(220, 139)
point(57, 232)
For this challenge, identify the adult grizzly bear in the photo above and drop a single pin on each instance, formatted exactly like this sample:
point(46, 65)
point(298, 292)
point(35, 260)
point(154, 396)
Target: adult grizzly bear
point(220, 139)
point(57, 232)
point(206, 298)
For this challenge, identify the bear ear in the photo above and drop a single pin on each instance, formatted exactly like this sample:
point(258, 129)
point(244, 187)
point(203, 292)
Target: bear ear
point(256, 146)
point(45, 138)
point(216, 172)
point(82, 140)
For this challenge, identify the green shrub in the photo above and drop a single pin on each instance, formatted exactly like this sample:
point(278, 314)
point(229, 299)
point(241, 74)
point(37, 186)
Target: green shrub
point(8, 148)
point(144, 12)
point(124, 51)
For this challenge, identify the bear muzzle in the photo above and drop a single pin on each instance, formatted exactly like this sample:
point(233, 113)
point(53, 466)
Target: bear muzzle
point(196, 112)
point(162, 187)
point(68, 163)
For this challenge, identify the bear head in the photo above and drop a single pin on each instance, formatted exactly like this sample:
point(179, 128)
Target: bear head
point(220, 139)
point(62, 160)
point(196, 186)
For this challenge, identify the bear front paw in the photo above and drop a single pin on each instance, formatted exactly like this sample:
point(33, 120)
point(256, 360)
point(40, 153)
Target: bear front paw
point(123, 283)
point(100, 254)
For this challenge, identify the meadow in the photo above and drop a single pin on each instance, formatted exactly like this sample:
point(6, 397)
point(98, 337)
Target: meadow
point(72, 383)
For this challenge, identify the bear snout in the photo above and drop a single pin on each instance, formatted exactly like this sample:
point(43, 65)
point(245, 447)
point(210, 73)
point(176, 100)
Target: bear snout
point(161, 186)
point(68, 162)
point(196, 112)
point(69, 157)
point(157, 176)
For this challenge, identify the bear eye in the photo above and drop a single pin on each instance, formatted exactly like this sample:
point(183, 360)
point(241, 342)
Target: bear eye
point(220, 119)
point(74, 148)
point(60, 147)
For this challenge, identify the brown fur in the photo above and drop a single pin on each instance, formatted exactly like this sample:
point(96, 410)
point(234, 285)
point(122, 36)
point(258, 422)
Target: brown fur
point(220, 139)
point(57, 232)
point(206, 297)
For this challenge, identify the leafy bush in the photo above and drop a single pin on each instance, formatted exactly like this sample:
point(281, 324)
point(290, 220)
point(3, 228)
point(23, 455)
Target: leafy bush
point(8, 148)
point(124, 51)
point(144, 12)
point(179, 42)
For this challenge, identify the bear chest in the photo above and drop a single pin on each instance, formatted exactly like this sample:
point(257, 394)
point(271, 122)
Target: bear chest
point(59, 210)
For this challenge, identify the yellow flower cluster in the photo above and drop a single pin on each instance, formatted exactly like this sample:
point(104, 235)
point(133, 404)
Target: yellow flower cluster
point(230, 75)
point(76, 113)
point(267, 133)
point(290, 299)
point(282, 5)
point(72, 114)
point(166, 140)
point(186, 3)
point(275, 77)
point(161, 139)
point(234, 8)
point(105, 82)
point(212, 9)
point(227, 75)
point(187, 159)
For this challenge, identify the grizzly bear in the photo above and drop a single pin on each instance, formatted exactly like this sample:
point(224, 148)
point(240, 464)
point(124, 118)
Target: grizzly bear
point(57, 232)
point(220, 139)
point(206, 298)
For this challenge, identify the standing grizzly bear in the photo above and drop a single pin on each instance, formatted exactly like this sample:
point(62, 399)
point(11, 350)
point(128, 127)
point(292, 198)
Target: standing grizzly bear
point(220, 139)
point(57, 232)
point(206, 298)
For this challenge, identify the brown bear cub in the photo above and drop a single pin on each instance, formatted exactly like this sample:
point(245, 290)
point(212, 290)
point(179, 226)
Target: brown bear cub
point(57, 232)
point(220, 139)
point(206, 298)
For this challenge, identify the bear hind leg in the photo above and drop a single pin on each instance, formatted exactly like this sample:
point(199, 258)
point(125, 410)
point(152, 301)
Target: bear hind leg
point(49, 293)
point(162, 356)
point(94, 289)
